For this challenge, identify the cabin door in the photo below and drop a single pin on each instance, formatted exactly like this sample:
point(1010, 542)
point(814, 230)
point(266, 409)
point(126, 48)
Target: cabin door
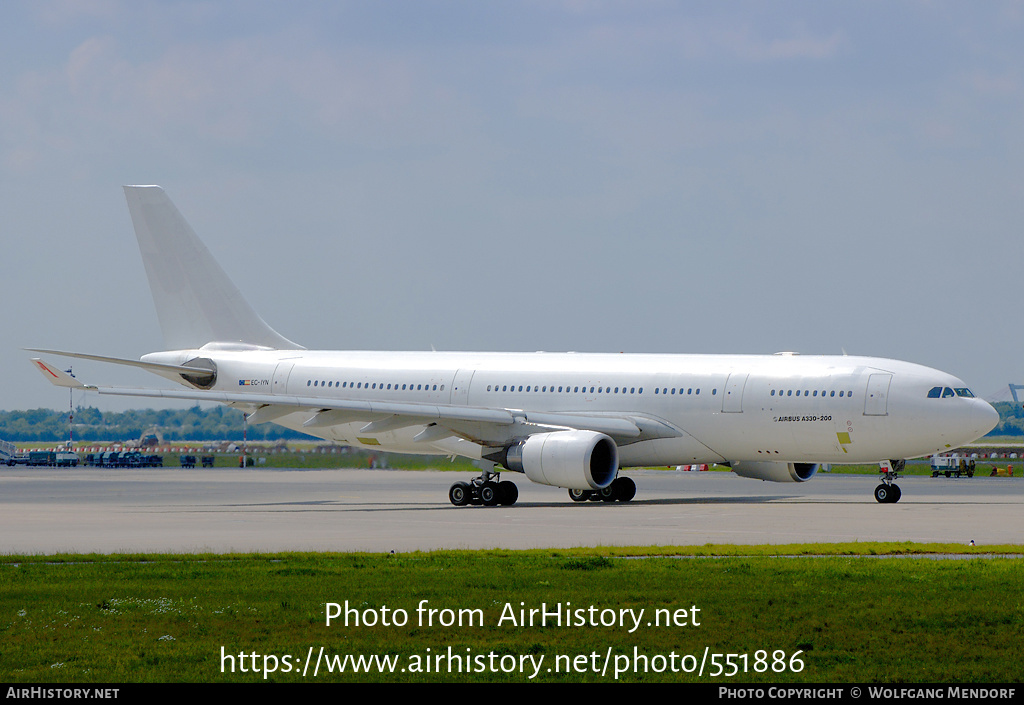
point(876, 400)
point(732, 400)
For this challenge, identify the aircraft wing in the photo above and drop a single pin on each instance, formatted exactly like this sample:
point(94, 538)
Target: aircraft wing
point(474, 423)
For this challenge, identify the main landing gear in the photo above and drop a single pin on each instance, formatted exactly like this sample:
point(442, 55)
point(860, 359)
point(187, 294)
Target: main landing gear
point(490, 492)
point(622, 489)
point(887, 492)
point(485, 490)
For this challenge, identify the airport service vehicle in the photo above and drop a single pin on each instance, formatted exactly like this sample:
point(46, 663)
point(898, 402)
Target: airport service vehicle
point(8, 452)
point(45, 458)
point(571, 420)
point(950, 466)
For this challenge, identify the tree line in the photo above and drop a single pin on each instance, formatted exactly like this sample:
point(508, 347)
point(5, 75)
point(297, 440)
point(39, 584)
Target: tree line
point(1011, 419)
point(91, 424)
point(223, 423)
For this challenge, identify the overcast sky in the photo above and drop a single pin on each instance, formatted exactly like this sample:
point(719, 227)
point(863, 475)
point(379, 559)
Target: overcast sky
point(594, 176)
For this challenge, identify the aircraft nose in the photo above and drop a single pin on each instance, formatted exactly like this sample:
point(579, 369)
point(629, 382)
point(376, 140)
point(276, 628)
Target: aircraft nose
point(985, 416)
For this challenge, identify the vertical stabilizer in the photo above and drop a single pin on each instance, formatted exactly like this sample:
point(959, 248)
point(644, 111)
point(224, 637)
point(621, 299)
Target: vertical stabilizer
point(195, 301)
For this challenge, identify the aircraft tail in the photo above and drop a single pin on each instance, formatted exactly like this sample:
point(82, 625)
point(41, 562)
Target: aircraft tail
point(195, 301)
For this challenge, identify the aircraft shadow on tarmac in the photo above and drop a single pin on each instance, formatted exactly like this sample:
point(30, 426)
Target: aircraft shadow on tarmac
point(400, 506)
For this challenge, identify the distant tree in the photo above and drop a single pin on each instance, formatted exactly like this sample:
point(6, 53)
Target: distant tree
point(193, 424)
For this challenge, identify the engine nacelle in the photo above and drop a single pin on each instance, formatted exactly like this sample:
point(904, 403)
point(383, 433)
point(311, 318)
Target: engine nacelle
point(577, 460)
point(775, 472)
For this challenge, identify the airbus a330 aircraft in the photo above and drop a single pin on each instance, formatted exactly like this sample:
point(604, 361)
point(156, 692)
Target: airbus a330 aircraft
point(570, 420)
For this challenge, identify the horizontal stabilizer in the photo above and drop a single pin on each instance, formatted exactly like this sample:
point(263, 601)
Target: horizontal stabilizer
point(149, 366)
point(57, 377)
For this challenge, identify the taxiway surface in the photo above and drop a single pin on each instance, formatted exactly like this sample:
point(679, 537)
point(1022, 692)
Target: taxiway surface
point(113, 511)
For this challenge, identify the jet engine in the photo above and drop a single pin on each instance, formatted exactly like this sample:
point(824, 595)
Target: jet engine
point(578, 460)
point(775, 472)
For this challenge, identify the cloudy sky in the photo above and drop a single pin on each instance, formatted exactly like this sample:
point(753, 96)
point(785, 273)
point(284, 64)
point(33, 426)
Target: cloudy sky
point(594, 176)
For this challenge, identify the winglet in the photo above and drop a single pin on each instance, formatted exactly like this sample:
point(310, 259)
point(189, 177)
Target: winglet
point(57, 377)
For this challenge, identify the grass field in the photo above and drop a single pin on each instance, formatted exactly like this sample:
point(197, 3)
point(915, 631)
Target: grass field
point(816, 613)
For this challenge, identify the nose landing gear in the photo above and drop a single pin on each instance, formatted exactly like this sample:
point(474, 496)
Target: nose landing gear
point(887, 492)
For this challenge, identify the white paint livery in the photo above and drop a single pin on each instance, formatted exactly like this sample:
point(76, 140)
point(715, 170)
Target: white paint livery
point(564, 419)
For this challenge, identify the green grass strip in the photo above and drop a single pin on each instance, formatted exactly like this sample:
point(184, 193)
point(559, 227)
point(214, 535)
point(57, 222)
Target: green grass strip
point(801, 613)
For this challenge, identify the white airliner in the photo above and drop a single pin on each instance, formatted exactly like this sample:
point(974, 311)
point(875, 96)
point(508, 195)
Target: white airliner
point(570, 420)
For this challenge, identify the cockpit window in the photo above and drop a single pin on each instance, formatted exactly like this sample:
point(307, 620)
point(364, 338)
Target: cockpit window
point(946, 393)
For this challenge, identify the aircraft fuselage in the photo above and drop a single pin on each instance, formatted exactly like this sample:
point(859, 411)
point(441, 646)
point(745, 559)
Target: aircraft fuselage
point(688, 408)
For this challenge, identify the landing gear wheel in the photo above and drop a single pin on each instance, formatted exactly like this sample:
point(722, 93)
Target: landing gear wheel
point(489, 494)
point(625, 489)
point(579, 495)
point(459, 494)
point(882, 493)
point(608, 494)
point(888, 494)
point(508, 493)
point(485, 489)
